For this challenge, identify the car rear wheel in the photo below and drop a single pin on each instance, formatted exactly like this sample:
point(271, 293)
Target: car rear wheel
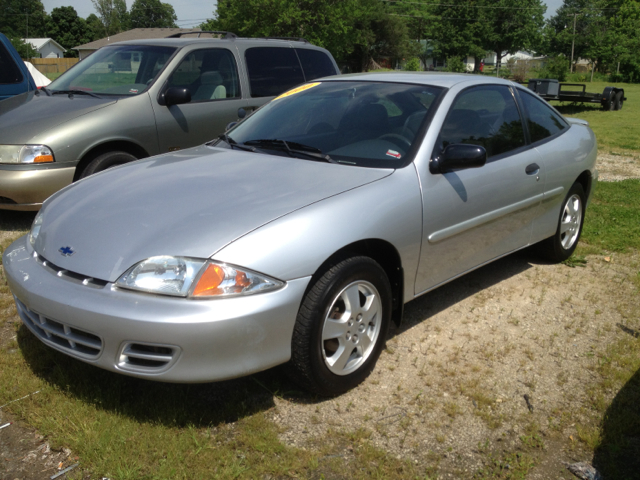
point(341, 327)
point(105, 161)
point(563, 243)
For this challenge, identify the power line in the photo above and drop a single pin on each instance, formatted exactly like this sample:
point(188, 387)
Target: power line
point(403, 2)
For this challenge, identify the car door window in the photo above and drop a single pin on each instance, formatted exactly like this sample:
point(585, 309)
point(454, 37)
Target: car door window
point(487, 116)
point(272, 70)
point(315, 64)
point(9, 71)
point(542, 120)
point(209, 74)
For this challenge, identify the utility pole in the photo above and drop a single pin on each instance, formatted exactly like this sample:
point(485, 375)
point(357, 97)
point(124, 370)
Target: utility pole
point(573, 42)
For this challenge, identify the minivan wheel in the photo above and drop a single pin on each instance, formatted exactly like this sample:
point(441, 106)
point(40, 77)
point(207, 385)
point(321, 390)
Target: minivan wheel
point(107, 160)
point(562, 244)
point(341, 327)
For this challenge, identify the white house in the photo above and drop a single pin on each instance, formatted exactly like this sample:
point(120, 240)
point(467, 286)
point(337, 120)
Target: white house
point(46, 47)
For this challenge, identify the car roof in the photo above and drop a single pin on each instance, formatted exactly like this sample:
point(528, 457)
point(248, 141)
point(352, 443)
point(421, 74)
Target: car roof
point(182, 42)
point(442, 79)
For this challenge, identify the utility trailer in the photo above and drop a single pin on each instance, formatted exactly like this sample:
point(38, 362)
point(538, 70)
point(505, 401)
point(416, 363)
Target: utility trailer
point(611, 98)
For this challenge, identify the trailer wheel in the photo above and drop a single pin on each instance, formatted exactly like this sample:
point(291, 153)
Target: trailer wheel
point(609, 104)
point(618, 101)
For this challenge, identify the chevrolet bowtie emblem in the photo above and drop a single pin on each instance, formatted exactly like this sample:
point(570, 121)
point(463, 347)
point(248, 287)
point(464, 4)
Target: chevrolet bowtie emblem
point(67, 251)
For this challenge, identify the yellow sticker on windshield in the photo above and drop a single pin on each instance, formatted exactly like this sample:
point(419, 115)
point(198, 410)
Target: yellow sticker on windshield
point(298, 90)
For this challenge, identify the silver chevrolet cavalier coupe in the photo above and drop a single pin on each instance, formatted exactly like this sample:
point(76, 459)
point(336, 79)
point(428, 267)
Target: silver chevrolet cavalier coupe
point(298, 235)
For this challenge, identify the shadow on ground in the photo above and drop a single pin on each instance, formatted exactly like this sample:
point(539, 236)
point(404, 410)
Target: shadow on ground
point(203, 405)
point(572, 108)
point(618, 455)
point(10, 220)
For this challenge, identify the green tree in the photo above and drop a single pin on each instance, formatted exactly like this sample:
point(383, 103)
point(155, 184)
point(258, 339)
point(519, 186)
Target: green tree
point(69, 30)
point(113, 15)
point(96, 27)
point(24, 49)
point(152, 14)
point(354, 31)
point(22, 18)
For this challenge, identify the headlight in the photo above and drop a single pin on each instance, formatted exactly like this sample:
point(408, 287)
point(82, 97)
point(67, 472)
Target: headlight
point(163, 274)
point(35, 228)
point(180, 276)
point(25, 154)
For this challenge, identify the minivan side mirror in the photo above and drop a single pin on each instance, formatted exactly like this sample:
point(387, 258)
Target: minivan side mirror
point(176, 96)
point(458, 156)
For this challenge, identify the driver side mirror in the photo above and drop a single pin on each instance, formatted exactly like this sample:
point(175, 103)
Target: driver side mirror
point(458, 156)
point(175, 96)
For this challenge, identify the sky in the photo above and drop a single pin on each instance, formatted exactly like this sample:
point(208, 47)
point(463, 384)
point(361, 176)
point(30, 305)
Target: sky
point(192, 13)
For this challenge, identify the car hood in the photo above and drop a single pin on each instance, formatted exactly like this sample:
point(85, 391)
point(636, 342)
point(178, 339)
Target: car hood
point(188, 204)
point(24, 116)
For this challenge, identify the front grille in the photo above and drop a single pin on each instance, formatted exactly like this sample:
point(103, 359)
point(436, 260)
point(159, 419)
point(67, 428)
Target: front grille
point(68, 275)
point(147, 358)
point(67, 338)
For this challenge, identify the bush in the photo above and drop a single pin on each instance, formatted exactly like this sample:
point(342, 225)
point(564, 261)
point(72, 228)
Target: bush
point(557, 67)
point(412, 65)
point(455, 64)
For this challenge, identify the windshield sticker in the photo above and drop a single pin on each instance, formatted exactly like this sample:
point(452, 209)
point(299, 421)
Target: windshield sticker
point(133, 90)
point(393, 153)
point(298, 90)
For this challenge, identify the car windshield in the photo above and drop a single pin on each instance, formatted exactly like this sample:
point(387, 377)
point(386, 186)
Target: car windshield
point(117, 70)
point(371, 124)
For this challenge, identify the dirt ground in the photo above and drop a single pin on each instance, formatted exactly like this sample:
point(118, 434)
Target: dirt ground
point(450, 388)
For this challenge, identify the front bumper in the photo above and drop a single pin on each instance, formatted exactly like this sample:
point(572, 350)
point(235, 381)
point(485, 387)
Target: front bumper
point(201, 340)
point(25, 187)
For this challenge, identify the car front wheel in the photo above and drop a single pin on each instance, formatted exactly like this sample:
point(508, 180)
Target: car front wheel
point(341, 327)
point(105, 161)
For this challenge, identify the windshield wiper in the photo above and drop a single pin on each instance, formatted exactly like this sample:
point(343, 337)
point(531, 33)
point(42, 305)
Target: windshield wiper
point(298, 148)
point(45, 90)
point(75, 92)
point(232, 143)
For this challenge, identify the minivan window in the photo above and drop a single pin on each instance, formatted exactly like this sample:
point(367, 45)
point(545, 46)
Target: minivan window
point(315, 64)
point(117, 70)
point(9, 71)
point(272, 70)
point(209, 74)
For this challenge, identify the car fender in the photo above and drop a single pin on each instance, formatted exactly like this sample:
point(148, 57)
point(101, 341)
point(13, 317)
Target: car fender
point(297, 245)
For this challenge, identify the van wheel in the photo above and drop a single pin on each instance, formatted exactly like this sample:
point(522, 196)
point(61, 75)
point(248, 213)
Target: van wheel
point(341, 327)
point(107, 160)
point(562, 244)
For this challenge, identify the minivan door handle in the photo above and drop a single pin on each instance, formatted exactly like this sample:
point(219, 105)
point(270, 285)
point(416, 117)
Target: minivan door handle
point(532, 169)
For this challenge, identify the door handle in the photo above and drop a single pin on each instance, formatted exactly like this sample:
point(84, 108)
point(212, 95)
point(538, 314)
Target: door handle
point(532, 169)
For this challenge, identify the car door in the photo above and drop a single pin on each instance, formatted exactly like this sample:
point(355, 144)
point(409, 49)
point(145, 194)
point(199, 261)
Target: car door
point(472, 216)
point(211, 75)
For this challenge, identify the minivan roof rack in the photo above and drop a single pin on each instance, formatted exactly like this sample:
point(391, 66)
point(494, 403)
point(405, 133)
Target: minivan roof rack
point(230, 35)
point(293, 39)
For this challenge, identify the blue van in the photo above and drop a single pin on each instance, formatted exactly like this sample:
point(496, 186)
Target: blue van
point(14, 76)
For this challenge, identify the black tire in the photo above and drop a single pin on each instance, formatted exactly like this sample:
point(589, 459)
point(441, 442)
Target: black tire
point(561, 245)
point(618, 101)
point(609, 104)
point(316, 364)
point(105, 161)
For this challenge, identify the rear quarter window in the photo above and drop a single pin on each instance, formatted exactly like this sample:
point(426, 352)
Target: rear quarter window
point(542, 120)
point(9, 71)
